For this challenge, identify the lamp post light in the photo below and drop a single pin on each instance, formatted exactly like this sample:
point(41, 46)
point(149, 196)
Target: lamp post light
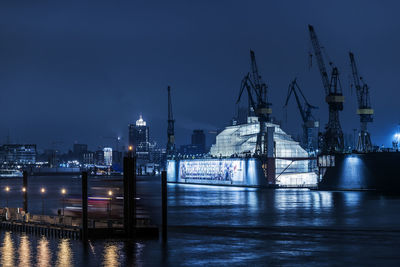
point(24, 195)
point(7, 189)
point(110, 193)
point(42, 191)
point(63, 192)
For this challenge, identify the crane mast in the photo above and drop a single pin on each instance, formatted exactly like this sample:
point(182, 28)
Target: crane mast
point(364, 108)
point(309, 122)
point(332, 139)
point(170, 130)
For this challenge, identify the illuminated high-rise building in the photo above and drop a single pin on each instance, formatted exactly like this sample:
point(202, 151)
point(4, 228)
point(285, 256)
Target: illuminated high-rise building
point(139, 138)
point(107, 156)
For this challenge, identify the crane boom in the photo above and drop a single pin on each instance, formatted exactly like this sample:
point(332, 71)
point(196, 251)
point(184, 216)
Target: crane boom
point(354, 70)
point(292, 89)
point(320, 60)
point(305, 112)
point(245, 85)
point(254, 69)
point(259, 85)
point(309, 122)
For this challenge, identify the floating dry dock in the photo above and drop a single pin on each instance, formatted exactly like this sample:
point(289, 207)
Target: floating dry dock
point(230, 160)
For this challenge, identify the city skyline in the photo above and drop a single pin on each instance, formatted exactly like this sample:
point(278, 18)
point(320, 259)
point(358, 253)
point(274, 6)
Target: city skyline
point(199, 133)
point(56, 76)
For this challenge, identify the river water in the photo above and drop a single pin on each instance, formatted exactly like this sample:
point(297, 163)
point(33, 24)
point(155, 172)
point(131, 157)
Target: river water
point(220, 226)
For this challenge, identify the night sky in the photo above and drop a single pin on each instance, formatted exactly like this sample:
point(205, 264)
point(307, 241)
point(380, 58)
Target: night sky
point(79, 72)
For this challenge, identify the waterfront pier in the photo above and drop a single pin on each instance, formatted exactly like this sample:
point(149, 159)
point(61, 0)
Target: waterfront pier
point(84, 223)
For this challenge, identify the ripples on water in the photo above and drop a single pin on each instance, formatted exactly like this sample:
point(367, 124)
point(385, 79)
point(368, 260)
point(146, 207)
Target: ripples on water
point(18, 249)
point(43, 253)
point(211, 225)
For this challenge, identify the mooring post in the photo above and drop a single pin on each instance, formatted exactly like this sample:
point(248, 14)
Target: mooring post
point(132, 197)
point(84, 206)
point(129, 195)
point(126, 192)
point(25, 191)
point(164, 199)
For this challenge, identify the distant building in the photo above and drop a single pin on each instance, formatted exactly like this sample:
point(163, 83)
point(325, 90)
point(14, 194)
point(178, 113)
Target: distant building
point(88, 158)
point(199, 140)
point(18, 154)
point(51, 156)
point(158, 155)
point(117, 157)
point(79, 150)
point(99, 157)
point(189, 150)
point(198, 145)
point(107, 156)
point(139, 138)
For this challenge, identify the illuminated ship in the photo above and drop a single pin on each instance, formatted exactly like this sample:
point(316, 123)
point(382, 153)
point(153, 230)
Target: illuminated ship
point(231, 160)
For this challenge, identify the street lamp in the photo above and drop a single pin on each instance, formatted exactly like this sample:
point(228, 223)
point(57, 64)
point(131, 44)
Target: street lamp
point(25, 199)
point(7, 190)
point(63, 192)
point(110, 193)
point(42, 191)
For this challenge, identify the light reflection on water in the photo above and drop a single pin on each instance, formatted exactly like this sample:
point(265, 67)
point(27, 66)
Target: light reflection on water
point(24, 251)
point(65, 256)
point(214, 225)
point(43, 253)
point(7, 251)
point(111, 255)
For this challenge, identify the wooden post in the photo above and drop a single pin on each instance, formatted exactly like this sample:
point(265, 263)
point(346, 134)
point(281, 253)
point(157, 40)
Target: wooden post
point(129, 195)
point(132, 197)
point(84, 206)
point(25, 190)
point(164, 203)
point(126, 192)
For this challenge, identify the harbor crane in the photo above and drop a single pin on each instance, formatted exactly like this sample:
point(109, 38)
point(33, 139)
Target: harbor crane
point(331, 140)
point(364, 108)
point(254, 85)
point(309, 122)
point(170, 130)
point(257, 96)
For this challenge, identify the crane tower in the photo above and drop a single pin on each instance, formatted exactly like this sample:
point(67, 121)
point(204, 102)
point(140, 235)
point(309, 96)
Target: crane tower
point(364, 108)
point(332, 139)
